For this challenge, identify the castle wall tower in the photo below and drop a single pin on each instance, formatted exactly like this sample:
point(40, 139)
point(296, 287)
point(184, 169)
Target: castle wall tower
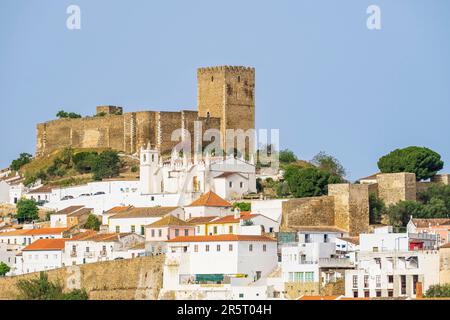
point(228, 93)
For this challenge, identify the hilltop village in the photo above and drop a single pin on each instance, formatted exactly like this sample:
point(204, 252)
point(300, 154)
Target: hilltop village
point(109, 188)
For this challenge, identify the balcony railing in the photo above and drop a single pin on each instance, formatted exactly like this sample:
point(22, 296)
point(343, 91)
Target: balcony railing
point(73, 254)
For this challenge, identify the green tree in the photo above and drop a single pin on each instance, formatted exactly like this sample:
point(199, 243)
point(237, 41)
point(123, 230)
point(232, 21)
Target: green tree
point(92, 223)
point(84, 161)
point(23, 159)
point(400, 213)
point(243, 206)
point(438, 291)
point(4, 269)
point(308, 182)
point(27, 210)
point(424, 162)
point(63, 114)
point(106, 165)
point(376, 209)
point(287, 156)
point(329, 164)
point(42, 289)
point(435, 196)
point(283, 189)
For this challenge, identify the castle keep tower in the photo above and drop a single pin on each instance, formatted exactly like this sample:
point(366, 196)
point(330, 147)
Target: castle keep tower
point(228, 93)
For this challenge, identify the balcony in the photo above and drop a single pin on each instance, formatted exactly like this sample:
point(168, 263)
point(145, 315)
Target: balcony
point(73, 254)
point(89, 255)
point(103, 254)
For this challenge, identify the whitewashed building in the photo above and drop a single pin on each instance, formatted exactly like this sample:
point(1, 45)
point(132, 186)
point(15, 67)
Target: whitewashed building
point(210, 266)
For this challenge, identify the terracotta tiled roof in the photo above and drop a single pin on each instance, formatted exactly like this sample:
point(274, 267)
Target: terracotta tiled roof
point(40, 231)
point(46, 244)
point(118, 209)
point(82, 235)
point(33, 232)
point(69, 210)
point(222, 237)
point(210, 199)
point(18, 232)
point(101, 237)
point(232, 219)
point(168, 221)
point(425, 223)
point(42, 189)
point(201, 220)
point(144, 212)
point(80, 212)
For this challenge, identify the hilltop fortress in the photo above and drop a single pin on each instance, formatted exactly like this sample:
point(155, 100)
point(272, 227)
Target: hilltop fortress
point(225, 100)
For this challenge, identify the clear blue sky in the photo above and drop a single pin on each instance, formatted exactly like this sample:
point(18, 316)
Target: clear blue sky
point(322, 77)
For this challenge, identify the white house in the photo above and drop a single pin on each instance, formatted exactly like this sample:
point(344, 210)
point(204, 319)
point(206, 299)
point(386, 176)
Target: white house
point(70, 216)
point(390, 265)
point(41, 255)
point(193, 263)
point(40, 194)
point(17, 239)
point(135, 219)
point(209, 204)
point(92, 247)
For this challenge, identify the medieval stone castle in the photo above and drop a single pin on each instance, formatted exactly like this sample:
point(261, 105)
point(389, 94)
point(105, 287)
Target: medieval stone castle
point(225, 100)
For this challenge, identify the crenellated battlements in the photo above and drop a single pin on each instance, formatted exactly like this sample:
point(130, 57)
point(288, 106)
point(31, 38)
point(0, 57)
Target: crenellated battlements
point(227, 68)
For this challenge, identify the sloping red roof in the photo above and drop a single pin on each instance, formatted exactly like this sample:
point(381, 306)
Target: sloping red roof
point(42, 189)
point(232, 219)
point(69, 210)
point(210, 199)
point(118, 209)
point(201, 220)
point(46, 244)
point(222, 237)
point(33, 232)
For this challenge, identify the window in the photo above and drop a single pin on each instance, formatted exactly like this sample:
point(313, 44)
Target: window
point(230, 229)
point(230, 184)
point(133, 229)
point(87, 249)
point(366, 294)
point(215, 230)
point(230, 247)
point(218, 248)
point(186, 232)
point(153, 233)
point(74, 248)
point(355, 281)
point(142, 230)
point(117, 229)
point(250, 247)
point(196, 248)
point(403, 284)
point(152, 198)
point(375, 249)
point(391, 279)
point(241, 184)
point(207, 248)
point(309, 276)
point(177, 232)
point(355, 293)
point(366, 281)
point(264, 247)
point(325, 238)
point(198, 229)
point(378, 293)
point(159, 233)
point(390, 293)
point(378, 281)
point(307, 238)
point(104, 248)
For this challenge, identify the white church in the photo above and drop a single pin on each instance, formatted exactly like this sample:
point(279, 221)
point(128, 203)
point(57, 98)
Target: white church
point(175, 182)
